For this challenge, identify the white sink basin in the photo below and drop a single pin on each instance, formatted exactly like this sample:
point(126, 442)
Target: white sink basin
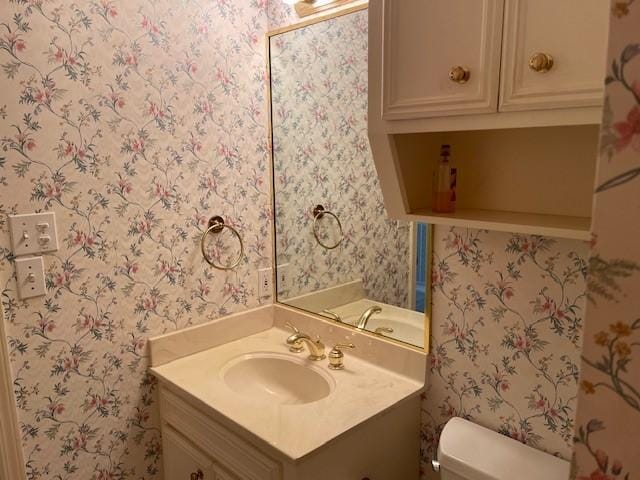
point(273, 377)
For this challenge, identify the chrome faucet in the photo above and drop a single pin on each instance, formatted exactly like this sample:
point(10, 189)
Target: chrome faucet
point(297, 340)
point(366, 315)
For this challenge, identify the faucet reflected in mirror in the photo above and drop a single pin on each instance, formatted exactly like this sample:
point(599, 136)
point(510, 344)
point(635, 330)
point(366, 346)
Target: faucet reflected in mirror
point(337, 253)
point(366, 315)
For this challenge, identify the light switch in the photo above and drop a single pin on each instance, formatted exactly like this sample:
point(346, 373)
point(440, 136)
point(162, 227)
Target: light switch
point(33, 233)
point(30, 277)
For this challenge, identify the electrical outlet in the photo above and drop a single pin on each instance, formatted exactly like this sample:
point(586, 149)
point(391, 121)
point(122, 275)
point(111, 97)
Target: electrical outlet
point(30, 277)
point(283, 277)
point(265, 279)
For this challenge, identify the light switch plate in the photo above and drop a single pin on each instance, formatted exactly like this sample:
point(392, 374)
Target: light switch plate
point(30, 276)
point(33, 233)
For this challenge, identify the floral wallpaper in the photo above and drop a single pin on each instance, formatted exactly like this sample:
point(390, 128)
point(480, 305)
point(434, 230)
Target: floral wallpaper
point(134, 121)
point(322, 156)
point(281, 14)
point(505, 338)
point(608, 421)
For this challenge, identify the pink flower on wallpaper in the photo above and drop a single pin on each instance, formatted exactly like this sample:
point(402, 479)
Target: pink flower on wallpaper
point(596, 475)
point(148, 25)
point(109, 8)
point(59, 55)
point(629, 130)
point(124, 186)
point(223, 77)
point(15, 42)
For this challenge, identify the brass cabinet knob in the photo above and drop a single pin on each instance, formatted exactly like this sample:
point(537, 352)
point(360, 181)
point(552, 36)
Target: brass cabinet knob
point(541, 62)
point(197, 475)
point(459, 74)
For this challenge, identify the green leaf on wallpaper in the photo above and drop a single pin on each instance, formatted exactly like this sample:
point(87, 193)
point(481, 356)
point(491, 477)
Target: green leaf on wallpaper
point(82, 19)
point(17, 346)
point(28, 431)
point(52, 432)
point(495, 403)
point(497, 313)
point(615, 69)
point(43, 349)
point(11, 69)
point(22, 25)
point(608, 138)
point(629, 52)
point(605, 275)
point(21, 168)
point(619, 180)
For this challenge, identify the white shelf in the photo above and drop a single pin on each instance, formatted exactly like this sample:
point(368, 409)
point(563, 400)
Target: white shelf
point(528, 223)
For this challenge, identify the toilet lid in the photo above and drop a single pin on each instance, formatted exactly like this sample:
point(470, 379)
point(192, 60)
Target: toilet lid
point(477, 453)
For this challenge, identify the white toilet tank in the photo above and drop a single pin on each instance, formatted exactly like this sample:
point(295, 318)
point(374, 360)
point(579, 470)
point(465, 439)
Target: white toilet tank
point(470, 452)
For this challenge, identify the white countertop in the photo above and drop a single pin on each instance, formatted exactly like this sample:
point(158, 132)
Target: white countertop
point(361, 391)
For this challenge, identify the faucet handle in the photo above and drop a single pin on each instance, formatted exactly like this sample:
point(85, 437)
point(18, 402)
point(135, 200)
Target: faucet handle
point(331, 314)
point(336, 356)
point(383, 330)
point(292, 327)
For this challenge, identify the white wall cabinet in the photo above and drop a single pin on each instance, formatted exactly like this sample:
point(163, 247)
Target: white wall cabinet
point(554, 53)
point(442, 57)
point(523, 125)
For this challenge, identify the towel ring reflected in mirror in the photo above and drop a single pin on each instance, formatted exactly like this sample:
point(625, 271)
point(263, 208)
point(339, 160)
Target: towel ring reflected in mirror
point(319, 212)
point(216, 225)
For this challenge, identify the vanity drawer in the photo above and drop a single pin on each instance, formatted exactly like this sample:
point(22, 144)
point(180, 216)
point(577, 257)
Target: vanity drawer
point(225, 448)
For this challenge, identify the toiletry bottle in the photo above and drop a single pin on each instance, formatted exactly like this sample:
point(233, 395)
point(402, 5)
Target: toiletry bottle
point(454, 186)
point(442, 183)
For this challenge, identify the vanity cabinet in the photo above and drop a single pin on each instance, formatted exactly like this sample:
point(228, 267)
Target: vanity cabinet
point(516, 88)
point(195, 443)
point(197, 446)
point(183, 460)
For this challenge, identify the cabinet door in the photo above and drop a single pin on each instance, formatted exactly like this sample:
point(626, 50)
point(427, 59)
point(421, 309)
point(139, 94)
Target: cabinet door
point(553, 54)
point(224, 474)
point(182, 459)
point(427, 44)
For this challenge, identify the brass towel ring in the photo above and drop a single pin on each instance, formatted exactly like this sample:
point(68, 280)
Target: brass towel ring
point(216, 225)
point(318, 213)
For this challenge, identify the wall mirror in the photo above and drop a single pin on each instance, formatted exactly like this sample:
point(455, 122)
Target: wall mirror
point(337, 253)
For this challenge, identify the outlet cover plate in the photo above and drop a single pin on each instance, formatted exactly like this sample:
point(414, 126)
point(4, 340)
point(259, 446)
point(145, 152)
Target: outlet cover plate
point(265, 280)
point(283, 277)
point(30, 277)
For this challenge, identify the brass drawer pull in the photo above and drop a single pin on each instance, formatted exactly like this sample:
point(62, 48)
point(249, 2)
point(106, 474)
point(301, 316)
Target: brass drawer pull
point(541, 62)
point(197, 475)
point(459, 74)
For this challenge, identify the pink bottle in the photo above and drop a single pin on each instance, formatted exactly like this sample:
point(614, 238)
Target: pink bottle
point(442, 183)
